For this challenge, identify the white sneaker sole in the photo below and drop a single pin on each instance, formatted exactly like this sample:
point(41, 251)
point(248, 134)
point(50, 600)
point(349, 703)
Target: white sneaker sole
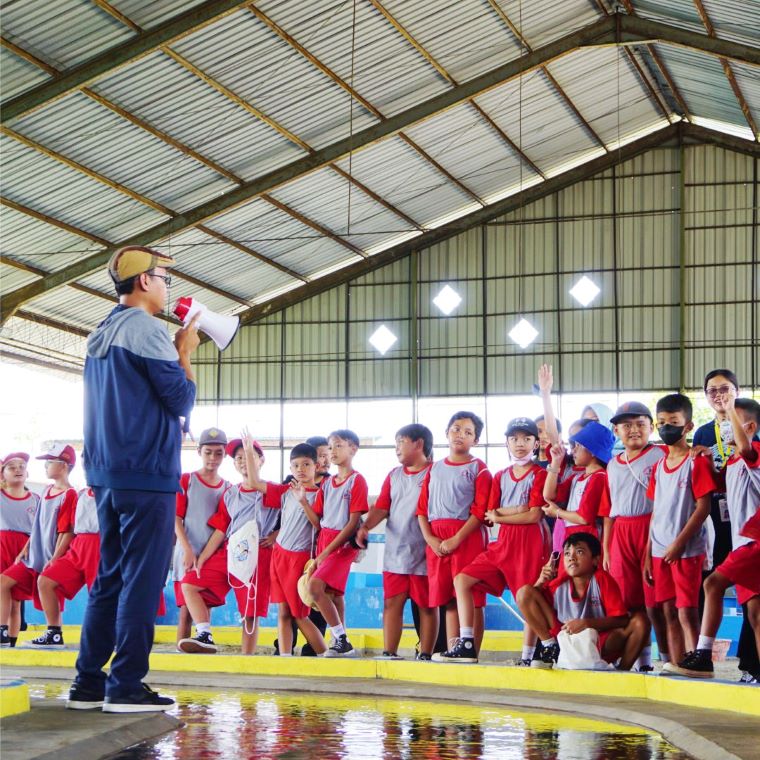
point(454, 660)
point(191, 646)
point(539, 665)
point(332, 654)
point(83, 705)
point(674, 670)
point(41, 647)
point(126, 708)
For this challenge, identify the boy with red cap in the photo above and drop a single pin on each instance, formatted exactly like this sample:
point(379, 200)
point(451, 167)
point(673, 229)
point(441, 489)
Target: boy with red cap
point(197, 501)
point(76, 568)
point(207, 584)
point(451, 511)
point(18, 507)
point(51, 535)
point(340, 503)
point(626, 521)
point(522, 547)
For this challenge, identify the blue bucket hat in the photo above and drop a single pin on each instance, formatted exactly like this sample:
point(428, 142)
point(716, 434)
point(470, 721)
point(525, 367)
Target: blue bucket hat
point(597, 438)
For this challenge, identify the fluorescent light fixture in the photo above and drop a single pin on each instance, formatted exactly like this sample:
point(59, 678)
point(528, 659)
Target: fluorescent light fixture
point(382, 339)
point(447, 300)
point(523, 333)
point(584, 291)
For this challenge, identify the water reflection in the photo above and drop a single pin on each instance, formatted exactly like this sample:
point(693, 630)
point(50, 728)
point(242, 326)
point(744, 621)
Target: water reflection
point(284, 726)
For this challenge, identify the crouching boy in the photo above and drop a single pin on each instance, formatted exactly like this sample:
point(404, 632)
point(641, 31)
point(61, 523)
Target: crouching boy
point(586, 597)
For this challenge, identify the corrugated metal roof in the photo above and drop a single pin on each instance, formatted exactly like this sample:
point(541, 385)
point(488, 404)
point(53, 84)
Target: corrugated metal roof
point(242, 53)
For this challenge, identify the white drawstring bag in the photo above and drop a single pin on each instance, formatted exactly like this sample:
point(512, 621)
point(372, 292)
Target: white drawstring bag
point(580, 651)
point(242, 561)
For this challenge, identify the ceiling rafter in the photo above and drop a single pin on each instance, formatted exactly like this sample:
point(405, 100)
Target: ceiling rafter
point(601, 32)
point(55, 324)
point(728, 71)
point(420, 48)
point(501, 13)
point(676, 132)
point(22, 359)
point(628, 5)
point(109, 249)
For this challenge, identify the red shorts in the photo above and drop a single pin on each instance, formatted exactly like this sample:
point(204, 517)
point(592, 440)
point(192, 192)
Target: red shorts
point(413, 586)
point(679, 580)
point(11, 544)
point(334, 570)
point(627, 552)
point(286, 569)
point(442, 570)
point(515, 561)
point(26, 585)
point(78, 567)
point(254, 601)
point(742, 566)
point(213, 579)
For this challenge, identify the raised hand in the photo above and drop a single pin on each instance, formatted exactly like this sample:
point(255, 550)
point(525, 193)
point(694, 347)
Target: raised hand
point(545, 378)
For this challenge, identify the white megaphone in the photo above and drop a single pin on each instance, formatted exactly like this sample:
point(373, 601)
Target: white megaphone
point(219, 328)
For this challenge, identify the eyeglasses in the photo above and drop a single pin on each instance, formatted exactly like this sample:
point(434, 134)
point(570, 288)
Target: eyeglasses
point(722, 390)
point(638, 425)
point(165, 277)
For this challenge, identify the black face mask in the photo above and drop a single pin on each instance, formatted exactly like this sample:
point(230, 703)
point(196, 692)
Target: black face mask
point(670, 434)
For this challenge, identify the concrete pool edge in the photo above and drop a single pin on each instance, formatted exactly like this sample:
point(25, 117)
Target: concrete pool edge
point(670, 728)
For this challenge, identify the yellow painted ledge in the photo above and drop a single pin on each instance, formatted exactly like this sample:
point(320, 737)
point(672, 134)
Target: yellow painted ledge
point(361, 638)
point(14, 697)
point(688, 693)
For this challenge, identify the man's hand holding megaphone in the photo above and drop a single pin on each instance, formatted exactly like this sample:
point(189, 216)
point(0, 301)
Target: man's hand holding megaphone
point(186, 340)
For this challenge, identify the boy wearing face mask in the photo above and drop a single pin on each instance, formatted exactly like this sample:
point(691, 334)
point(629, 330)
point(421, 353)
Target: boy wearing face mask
point(680, 488)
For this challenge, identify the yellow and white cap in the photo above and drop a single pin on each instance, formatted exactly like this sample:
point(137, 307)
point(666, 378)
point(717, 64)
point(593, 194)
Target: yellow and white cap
point(132, 260)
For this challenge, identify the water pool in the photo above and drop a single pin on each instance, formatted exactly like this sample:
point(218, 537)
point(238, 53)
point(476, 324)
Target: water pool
point(278, 725)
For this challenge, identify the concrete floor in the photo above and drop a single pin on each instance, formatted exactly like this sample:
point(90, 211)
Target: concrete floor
point(704, 734)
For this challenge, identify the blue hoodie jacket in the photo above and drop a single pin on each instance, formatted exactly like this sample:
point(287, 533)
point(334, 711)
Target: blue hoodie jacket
point(135, 393)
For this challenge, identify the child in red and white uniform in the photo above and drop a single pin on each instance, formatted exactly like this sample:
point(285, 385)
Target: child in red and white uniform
point(680, 488)
point(587, 494)
point(340, 504)
point(451, 512)
point(742, 566)
point(197, 502)
point(209, 582)
point(582, 597)
point(404, 561)
point(522, 547)
point(626, 522)
point(68, 574)
point(18, 507)
point(52, 532)
point(293, 545)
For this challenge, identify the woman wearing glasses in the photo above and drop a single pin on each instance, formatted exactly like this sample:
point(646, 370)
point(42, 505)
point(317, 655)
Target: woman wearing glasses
point(720, 386)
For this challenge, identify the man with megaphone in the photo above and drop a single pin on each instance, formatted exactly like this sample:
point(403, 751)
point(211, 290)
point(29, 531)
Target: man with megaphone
point(137, 386)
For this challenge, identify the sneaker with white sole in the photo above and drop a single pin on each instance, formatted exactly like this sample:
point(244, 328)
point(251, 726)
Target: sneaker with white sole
point(51, 639)
point(5, 639)
point(545, 657)
point(388, 656)
point(341, 647)
point(145, 700)
point(462, 653)
point(696, 664)
point(203, 643)
point(81, 698)
point(747, 677)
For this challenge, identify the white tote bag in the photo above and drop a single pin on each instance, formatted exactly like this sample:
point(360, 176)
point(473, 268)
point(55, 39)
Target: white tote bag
point(243, 552)
point(580, 651)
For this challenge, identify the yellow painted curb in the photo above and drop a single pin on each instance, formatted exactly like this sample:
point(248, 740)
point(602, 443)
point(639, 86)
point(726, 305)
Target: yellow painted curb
point(361, 638)
point(14, 698)
point(689, 693)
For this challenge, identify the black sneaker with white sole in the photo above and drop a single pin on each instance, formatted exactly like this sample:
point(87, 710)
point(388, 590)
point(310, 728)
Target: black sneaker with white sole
point(462, 652)
point(341, 647)
point(203, 643)
point(5, 639)
point(145, 700)
point(696, 664)
point(51, 639)
point(423, 657)
point(389, 656)
point(545, 657)
point(81, 698)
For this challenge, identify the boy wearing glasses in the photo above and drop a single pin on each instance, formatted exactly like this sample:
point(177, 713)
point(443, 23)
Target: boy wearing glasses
point(626, 523)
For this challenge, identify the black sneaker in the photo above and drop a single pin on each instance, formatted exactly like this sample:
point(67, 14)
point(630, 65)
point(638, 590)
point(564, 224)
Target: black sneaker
point(5, 639)
point(49, 640)
point(203, 643)
point(341, 647)
point(463, 652)
point(386, 655)
point(545, 657)
point(423, 657)
point(748, 677)
point(145, 700)
point(696, 664)
point(84, 699)
point(645, 669)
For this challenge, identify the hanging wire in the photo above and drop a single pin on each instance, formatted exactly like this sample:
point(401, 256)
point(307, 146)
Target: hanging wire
point(521, 212)
point(351, 117)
